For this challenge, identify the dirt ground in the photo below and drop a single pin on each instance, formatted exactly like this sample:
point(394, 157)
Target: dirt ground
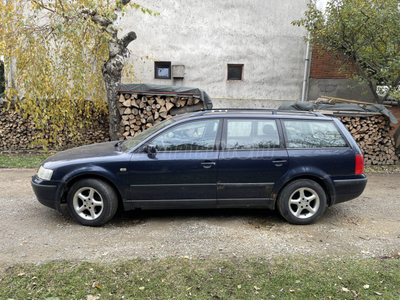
point(368, 226)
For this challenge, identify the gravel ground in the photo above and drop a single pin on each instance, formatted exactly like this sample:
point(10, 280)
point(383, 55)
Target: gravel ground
point(32, 233)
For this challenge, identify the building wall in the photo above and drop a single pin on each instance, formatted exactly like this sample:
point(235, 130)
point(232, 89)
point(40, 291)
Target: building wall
point(326, 80)
point(206, 35)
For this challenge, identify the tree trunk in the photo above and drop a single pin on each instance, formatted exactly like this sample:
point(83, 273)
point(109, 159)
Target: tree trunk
point(112, 69)
point(373, 87)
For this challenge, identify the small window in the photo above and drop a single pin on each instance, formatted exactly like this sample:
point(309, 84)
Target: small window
point(313, 134)
point(162, 70)
point(192, 136)
point(251, 135)
point(235, 72)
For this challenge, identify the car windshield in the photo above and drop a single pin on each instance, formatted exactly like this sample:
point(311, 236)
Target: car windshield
point(128, 145)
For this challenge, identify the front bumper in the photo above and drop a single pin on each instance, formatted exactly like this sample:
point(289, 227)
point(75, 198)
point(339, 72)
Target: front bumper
point(348, 189)
point(48, 192)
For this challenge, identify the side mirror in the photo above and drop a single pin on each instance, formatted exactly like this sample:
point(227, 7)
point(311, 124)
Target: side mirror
point(150, 149)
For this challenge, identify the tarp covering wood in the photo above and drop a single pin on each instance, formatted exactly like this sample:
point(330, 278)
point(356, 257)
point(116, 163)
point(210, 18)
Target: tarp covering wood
point(309, 106)
point(163, 90)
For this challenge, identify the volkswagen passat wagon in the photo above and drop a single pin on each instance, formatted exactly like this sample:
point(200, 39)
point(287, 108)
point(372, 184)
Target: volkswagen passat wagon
point(297, 162)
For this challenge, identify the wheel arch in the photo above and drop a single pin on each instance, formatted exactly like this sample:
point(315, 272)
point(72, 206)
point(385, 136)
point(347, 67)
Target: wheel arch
point(76, 178)
point(326, 186)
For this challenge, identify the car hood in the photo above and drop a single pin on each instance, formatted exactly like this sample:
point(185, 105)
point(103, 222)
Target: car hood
point(86, 153)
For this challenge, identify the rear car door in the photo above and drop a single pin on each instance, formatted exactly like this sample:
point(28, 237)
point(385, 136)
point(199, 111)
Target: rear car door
point(251, 160)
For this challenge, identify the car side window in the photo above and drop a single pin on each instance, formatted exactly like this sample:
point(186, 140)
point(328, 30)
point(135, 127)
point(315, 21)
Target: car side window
point(190, 136)
point(251, 134)
point(312, 134)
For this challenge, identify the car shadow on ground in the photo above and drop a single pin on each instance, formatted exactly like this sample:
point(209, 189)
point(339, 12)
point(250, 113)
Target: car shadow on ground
point(258, 218)
point(255, 217)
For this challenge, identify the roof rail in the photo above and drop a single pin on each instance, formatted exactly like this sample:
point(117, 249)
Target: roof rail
point(271, 110)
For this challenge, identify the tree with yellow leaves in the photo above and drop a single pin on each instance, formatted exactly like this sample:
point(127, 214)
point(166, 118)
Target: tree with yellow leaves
point(61, 53)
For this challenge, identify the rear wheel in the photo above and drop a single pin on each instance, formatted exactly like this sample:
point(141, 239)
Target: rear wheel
point(302, 201)
point(92, 202)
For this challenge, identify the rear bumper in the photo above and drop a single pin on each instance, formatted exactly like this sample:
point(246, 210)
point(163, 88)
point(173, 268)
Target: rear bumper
point(348, 189)
point(47, 192)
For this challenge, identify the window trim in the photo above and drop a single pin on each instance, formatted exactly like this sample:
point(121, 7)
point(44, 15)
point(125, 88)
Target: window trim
point(234, 65)
point(162, 64)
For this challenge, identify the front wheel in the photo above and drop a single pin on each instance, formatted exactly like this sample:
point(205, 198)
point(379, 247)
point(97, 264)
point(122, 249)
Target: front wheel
point(302, 201)
point(92, 202)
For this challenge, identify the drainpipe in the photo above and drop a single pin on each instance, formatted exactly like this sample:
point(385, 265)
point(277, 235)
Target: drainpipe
point(306, 73)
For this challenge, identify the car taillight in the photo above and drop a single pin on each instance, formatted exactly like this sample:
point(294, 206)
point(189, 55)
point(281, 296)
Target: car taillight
point(359, 164)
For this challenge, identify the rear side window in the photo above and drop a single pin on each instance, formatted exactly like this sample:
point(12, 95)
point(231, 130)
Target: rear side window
point(251, 134)
point(312, 134)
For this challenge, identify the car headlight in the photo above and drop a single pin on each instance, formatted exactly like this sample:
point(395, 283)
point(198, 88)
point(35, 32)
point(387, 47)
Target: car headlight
point(44, 173)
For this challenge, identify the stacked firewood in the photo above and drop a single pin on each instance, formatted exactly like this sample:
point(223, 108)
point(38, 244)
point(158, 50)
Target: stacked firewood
point(18, 133)
point(139, 112)
point(372, 136)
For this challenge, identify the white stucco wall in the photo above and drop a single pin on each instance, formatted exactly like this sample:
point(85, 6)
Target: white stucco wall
point(206, 35)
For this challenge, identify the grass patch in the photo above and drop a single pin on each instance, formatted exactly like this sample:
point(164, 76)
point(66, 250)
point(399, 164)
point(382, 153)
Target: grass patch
point(177, 278)
point(21, 160)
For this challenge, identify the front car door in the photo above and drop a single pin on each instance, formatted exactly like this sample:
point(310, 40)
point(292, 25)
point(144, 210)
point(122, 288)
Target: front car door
point(182, 172)
point(251, 160)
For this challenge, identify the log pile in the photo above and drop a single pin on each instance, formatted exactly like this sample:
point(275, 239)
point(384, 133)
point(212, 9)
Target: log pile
point(18, 133)
point(139, 112)
point(372, 136)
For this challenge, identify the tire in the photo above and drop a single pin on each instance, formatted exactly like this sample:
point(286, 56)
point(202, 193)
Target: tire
point(302, 201)
point(92, 202)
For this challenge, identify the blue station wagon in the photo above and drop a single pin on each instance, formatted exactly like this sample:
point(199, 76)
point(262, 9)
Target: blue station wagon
point(296, 162)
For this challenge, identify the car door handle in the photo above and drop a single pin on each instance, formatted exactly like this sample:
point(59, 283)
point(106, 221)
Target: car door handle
point(279, 162)
point(208, 164)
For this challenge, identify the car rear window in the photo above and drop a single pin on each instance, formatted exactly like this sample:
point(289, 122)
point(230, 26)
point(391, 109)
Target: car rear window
point(312, 134)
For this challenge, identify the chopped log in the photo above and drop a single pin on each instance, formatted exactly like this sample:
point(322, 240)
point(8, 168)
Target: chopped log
point(127, 103)
point(169, 106)
point(172, 99)
point(160, 101)
point(121, 98)
point(190, 101)
point(127, 96)
point(134, 103)
point(150, 119)
point(182, 102)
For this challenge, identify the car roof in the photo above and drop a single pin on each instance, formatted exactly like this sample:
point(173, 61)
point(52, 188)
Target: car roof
point(250, 113)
